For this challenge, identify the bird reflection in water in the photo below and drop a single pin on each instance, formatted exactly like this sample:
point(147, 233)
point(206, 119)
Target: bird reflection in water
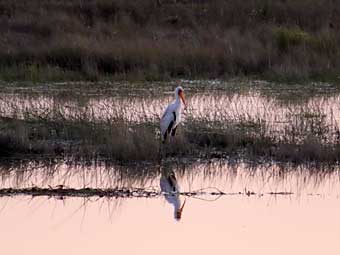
point(171, 191)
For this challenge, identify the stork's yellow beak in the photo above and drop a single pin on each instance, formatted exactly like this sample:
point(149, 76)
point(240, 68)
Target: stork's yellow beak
point(179, 211)
point(181, 95)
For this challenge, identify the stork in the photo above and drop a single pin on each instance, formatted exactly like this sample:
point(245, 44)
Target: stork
point(172, 115)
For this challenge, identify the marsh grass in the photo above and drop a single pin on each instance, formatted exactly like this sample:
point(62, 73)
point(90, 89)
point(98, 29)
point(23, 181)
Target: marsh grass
point(121, 141)
point(159, 40)
point(79, 138)
point(127, 130)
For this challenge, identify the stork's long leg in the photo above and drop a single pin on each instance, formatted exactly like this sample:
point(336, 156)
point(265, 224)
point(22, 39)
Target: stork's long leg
point(173, 131)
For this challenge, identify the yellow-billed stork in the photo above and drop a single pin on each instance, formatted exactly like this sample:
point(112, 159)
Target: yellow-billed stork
point(172, 115)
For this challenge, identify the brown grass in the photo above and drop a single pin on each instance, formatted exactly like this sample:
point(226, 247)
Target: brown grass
point(120, 141)
point(153, 39)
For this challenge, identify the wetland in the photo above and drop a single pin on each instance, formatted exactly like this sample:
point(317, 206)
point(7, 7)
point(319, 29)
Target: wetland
point(253, 168)
point(252, 163)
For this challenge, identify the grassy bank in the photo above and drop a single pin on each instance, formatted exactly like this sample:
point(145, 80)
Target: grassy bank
point(163, 39)
point(121, 141)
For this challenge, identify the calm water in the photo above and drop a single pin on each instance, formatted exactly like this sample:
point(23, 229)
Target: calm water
point(238, 225)
point(267, 208)
point(305, 222)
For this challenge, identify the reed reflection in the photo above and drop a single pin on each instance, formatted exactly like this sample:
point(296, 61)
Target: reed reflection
point(226, 176)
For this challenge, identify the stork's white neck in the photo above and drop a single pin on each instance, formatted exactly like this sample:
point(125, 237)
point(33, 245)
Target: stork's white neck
point(178, 100)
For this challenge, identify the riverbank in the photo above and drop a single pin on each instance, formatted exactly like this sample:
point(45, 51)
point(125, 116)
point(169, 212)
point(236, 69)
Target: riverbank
point(163, 40)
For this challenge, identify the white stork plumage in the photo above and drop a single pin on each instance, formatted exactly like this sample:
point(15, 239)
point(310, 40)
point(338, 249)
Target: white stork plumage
point(172, 115)
point(170, 188)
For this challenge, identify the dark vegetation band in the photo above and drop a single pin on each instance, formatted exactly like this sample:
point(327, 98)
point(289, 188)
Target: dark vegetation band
point(154, 39)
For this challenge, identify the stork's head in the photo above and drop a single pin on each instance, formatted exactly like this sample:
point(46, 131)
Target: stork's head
point(179, 92)
point(178, 212)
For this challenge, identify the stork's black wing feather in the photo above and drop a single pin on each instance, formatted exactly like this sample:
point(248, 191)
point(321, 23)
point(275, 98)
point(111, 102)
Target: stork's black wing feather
point(169, 129)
